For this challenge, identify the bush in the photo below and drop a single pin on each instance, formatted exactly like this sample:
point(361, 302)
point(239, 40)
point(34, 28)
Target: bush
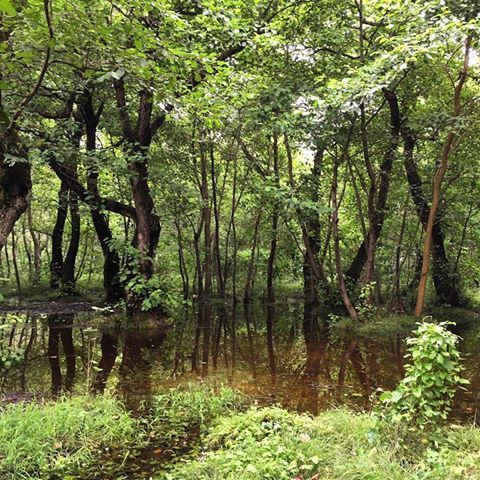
point(273, 444)
point(424, 397)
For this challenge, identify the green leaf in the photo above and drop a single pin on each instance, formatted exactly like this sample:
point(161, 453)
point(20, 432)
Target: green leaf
point(7, 7)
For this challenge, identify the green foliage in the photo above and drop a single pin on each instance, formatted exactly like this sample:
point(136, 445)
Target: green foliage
point(273, 444)
point(159, 294)
point(38, 441)
point(423, 398)
point(366, 308)
point(10, 357)
point(181, 415)
point(7, 7)
point(212, 437)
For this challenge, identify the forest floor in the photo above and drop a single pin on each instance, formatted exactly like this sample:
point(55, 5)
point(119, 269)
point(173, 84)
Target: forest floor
point(195, 432)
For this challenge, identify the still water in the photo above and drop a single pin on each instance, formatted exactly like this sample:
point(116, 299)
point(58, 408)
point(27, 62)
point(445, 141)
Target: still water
point(284, 354)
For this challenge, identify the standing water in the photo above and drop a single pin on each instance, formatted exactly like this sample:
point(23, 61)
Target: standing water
point(284, 354)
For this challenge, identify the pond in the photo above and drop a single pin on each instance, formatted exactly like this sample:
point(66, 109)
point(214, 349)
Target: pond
point(284, 353)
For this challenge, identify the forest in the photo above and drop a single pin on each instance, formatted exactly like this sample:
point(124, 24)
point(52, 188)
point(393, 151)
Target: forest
point(239, 222)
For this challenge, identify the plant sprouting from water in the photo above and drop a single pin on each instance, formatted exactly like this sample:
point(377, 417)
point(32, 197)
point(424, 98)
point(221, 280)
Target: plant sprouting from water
point(423, 399)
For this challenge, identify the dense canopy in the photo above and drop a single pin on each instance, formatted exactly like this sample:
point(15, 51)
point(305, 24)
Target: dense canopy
point(175, 149)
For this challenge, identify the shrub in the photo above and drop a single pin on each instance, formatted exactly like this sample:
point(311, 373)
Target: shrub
point(423, 398)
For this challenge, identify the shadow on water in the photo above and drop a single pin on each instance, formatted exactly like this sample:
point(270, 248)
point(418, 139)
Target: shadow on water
point(283, 353)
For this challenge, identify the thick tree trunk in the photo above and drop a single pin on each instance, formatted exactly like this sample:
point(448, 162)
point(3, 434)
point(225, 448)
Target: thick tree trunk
point(147, 230)
point(137, 142)
point(313, 276)
point(15, 181)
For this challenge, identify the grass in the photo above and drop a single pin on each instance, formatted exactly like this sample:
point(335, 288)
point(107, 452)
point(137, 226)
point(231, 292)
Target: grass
point(206, 433)
point(88, 434)
point(180, 416)
point(273, 444)
point(43, 440)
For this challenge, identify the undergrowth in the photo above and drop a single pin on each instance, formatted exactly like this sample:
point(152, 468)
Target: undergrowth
point(40, 441)
point(273, 444)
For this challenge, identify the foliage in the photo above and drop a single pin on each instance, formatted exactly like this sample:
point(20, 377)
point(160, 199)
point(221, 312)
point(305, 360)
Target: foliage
point(228, 85)
point(424, 396)
point(271, 443)
point(43, 440)
point(179, 416)
point(68, 438)
point(10, 357)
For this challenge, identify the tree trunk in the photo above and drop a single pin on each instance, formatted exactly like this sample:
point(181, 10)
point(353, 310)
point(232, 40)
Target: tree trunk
point(207, 218)
point(274, 228)
point(68, 274)
point(56, 263)
point(313, 276)
point(438, 180)
point(37, 249)
point(445, 287)
point(248, 292)
point(336, 240)
point(111, 261)
point(366, 251)
point(216, 213)
point(15, 180)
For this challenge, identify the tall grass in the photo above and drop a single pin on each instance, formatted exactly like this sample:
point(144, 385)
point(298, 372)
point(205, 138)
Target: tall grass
point(39, 440)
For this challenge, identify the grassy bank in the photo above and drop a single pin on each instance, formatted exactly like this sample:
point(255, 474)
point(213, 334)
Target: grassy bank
point(50, 440)
point(196, 432)
point(270, 443)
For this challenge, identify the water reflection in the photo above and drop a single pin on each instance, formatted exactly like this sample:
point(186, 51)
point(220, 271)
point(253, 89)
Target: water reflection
point(315, 334)
point(60, 329)
point(276, 353)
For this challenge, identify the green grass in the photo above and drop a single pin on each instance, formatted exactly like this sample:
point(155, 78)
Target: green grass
point(273, 444)
point(40, 440)
point(180, 416)
point(207, 434)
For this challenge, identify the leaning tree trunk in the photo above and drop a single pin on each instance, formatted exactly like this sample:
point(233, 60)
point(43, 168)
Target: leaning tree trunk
point(370, 241)
point(111, 261)
point(446, 289)
point(438, 180)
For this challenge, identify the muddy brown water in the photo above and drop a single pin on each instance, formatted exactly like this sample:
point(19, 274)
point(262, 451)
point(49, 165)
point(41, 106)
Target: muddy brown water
point(284, 354)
